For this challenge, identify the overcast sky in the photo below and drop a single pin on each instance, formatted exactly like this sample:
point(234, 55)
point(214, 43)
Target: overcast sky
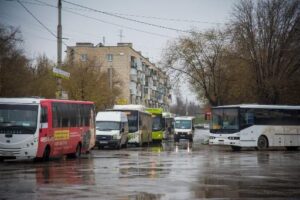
point(84, 25)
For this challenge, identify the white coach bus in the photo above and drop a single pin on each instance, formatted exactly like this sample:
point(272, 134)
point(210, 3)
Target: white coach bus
point(259, 126)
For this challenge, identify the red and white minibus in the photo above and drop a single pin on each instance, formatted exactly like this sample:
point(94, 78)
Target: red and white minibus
point(33, 128)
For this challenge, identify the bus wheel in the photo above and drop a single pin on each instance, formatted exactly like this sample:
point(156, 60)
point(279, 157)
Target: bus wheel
point(235, 148)
point(125, 144)
point(77, 153)
point(262, 143)
point(46, 154)
point(118, 145)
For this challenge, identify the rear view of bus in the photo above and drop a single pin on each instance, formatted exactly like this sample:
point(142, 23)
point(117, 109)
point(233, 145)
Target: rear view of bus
point(157, 123)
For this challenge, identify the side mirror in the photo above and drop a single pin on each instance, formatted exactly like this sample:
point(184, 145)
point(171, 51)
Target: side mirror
point(122, 130)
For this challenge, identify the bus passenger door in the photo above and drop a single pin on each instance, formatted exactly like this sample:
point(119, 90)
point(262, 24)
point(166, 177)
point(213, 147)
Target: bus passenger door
point(43, 137)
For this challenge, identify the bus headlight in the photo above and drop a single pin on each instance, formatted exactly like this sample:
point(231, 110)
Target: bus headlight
point(212, 137)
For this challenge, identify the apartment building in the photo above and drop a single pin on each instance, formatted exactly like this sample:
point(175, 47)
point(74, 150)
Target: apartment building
point(142, 81)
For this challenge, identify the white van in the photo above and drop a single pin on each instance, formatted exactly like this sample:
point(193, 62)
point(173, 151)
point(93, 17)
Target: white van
point(111, 129)
point(183, 128)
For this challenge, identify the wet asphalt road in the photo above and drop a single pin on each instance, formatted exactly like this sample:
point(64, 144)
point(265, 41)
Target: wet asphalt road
point(168, 171)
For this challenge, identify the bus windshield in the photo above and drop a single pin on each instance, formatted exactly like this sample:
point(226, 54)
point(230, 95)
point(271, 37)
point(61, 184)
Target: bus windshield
point(157, 124)
point(18, 119)
point(107, 125)
point(183, 124)
point(224, 120)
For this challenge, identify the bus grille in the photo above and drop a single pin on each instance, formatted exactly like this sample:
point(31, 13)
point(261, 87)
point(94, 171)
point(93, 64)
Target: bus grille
point(9, 152)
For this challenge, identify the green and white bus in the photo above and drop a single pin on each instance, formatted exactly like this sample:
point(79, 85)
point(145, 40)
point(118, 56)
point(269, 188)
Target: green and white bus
point(139, 123)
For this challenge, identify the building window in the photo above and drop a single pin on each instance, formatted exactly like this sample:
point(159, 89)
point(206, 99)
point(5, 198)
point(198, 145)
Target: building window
point(83, 57)
point(109, 57)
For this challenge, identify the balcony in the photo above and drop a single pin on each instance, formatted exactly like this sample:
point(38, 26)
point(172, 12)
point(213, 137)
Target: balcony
point(133, 78)
point(133, 71)
point(132, 91)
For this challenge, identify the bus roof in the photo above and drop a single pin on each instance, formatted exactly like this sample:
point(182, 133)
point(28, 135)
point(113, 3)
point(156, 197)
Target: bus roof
point(184, 118)
point(20, 100)
point(168, 115)
point(26, 100)
point(155, 110)
point(130, 107)
point(260, 106)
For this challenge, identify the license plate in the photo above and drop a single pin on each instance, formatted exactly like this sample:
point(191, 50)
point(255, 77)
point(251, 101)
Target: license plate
point(221, 141)
point(103, 142)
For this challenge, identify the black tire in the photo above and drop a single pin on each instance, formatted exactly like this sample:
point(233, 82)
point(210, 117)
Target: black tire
point(118, 145)
point(77, 153)
point(236, 148)
point(125, 144)
point(176, 139)
point(191, 138)
point(262, 143)
point(46, 154)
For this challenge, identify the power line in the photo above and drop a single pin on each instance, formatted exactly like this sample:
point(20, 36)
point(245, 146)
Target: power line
point(169, 19)
point(41, 23)
point(126, 18)
point(140, 16)
point(37, 19)
point(106, 22)
point(103, 21)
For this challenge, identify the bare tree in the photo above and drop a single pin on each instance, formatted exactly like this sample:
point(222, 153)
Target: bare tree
point(88, 82)
point(43, 83)
point(198, 57)
point(266, 34)
point(15, 73)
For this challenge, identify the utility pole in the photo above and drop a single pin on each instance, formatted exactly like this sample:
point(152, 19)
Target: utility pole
point(59, 36)
point(59, 50)
point(186, 107)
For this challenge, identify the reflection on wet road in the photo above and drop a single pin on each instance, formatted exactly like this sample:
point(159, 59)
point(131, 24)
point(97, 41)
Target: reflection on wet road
point(167, 171)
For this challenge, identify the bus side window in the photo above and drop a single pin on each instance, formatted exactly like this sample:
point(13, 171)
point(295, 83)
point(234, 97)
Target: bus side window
point(44, 115)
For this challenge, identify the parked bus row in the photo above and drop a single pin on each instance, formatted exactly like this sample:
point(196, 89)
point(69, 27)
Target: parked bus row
point(145, 126)
point(32, 128)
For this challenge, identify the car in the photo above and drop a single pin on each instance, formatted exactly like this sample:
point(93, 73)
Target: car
point(111, 129)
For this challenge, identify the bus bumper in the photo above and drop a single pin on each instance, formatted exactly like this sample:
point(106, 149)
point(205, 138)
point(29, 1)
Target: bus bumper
point(18, 153)
point(157, 135)
point(224, 141)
